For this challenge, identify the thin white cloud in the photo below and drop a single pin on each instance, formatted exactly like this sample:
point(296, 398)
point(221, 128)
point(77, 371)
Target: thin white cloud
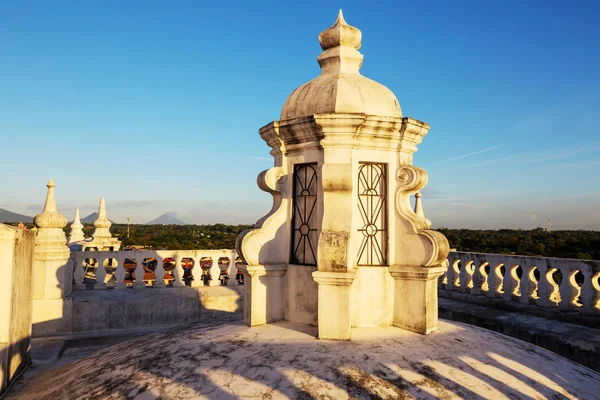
point(469, 154)
point(503, 158)
point(567, 153)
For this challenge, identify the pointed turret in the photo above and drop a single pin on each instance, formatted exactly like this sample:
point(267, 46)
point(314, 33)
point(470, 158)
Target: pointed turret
point(102, 238)
point(76, 229)
point(50, 217)
point(102, 221)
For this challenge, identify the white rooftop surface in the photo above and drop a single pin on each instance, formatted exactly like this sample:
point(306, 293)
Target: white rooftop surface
point(228, 360)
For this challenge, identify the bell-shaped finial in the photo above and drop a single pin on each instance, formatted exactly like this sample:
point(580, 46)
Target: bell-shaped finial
point(340, 44)
point(340, 34)
point(102, 221)
point(50, 217)
point(76, 234)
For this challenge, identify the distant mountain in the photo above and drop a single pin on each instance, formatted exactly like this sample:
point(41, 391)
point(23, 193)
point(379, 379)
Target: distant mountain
point(90, 218)
point(168, 218)
point(9, 216)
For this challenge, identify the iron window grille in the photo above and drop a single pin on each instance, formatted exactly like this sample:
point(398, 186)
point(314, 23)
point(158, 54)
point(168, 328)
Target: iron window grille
point(372, 205)
point(304, 218)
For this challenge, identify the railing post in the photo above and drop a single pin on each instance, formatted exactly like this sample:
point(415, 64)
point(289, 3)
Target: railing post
point(139, 271)
point(568, 291)
point(120, 271)
point(463, 274)
point(587, 291)
point(231, 269)
point(494, 279)
point(178, 270)
point(215, 272)
point(511, 282)
point(100, 273)
point(450, 273)
point(543, 286)
point(79, 272)
point(159, 273)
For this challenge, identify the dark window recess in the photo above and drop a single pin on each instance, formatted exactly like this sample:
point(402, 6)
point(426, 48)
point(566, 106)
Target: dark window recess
point(304, 220)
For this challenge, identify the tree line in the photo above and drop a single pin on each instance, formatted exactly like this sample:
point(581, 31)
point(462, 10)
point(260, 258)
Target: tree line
point(536, 242)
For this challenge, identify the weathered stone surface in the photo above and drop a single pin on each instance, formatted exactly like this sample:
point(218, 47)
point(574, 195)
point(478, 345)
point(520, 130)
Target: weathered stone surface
point(575, 342)
point(99, 311)
point(284, 360)
point(342, 183)
point(16, 298)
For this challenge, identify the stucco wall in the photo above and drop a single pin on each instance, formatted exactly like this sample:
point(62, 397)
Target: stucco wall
point(100, 311)
point(16, 263)
point(372, 297)
point(301, 295)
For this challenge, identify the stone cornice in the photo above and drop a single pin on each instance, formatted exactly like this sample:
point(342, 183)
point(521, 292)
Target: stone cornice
point(272, 270)
point(334, 278)
point(410, 272)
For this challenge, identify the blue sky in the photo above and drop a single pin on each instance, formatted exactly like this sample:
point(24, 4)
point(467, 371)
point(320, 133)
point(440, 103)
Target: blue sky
point(156, 105)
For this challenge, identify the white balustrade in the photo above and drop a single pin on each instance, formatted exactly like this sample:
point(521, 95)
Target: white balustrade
point(567, 284)
point(95, 270)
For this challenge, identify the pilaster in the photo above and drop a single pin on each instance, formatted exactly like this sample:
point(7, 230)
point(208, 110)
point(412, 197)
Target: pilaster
point(263, 293)
point(334, 313)
point(416, 297)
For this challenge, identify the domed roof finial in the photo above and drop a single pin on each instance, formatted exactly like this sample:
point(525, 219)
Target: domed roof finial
point(340, 34)
point(50, 217)
point(340, 88)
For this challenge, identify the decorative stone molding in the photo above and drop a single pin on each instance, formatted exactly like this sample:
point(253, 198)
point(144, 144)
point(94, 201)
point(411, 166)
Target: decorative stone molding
point(342, 226)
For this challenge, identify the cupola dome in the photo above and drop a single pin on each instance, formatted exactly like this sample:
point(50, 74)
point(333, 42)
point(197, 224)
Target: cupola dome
point(341, 88)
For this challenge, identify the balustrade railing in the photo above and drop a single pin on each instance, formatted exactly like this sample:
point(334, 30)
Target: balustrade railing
point(566, 284)
point(138, 269)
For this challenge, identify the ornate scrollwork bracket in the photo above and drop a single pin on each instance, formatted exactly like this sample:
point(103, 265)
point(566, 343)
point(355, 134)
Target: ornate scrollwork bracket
point(266, 229)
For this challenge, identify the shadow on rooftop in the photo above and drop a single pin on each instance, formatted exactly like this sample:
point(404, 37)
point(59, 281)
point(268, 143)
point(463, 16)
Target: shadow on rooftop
point(230, 361)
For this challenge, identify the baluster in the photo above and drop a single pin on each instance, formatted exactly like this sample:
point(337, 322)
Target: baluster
point(159, 273)
point(511, 281)
point(178, 270)
point(568, 289)
point(79, 273)
point(231, 270)
point(587, 291)
point(478, 277)
point(553, 288)
point(463, 274)
point(197, 272)
point(215, 272)
point(110, 270)
point(494, 280)
point(442, 281)
point(450, 274)
point(527, 284)
point(139, 271)
point(596, 297)
point(543, 286)
point(120, 272)
point(100, 274)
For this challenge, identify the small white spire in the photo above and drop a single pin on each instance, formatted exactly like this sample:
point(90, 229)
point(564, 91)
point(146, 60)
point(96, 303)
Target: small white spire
point(50, 217)
point(76, 234)
point(102, 220)
point(419, 205)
